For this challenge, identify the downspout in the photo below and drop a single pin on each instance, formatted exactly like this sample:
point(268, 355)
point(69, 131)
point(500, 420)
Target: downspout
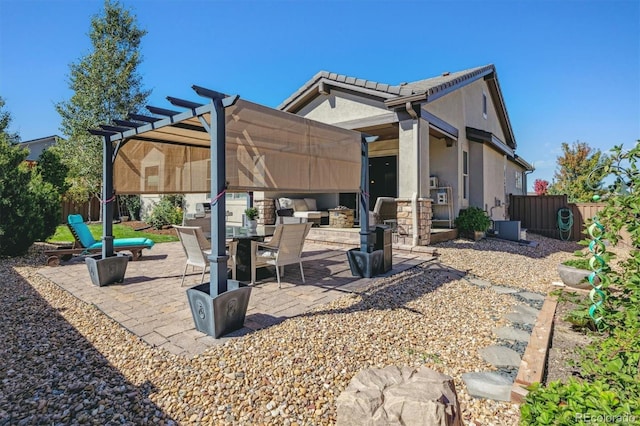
point(414, 218)
point(414, 198)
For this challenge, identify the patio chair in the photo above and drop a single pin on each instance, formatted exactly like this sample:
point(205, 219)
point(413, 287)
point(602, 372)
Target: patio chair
point(198, 249)
point(284, 248)
point(384, 209)
point(85, 243)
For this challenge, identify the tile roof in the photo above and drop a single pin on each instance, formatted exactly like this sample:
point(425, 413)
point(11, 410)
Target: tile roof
point(427, 86)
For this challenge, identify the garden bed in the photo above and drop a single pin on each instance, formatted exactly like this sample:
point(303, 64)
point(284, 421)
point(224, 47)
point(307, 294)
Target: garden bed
point(565, 340)
point(138, 225)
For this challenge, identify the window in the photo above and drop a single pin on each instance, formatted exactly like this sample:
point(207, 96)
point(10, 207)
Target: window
point(152, 177)
point(484, 105)
point(518, 180)
point(465, 174)
point(236, 195)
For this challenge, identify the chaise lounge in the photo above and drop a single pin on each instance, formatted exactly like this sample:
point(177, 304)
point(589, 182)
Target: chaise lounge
point(85, 243)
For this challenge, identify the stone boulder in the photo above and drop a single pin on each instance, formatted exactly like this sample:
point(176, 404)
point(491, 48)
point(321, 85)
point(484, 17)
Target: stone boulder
point(399, 396)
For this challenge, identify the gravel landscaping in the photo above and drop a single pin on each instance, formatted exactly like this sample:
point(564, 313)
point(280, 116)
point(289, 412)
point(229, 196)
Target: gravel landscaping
point(64, 362)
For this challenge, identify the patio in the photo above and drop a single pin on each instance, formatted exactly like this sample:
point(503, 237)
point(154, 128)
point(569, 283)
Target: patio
point(152, 304)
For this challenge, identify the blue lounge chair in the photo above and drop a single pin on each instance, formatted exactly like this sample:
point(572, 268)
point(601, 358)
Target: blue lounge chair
point(86, 244)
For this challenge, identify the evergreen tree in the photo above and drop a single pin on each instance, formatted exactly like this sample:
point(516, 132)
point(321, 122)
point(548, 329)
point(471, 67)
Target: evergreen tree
point(580, 172)
point(29, 207)
point(106, 86)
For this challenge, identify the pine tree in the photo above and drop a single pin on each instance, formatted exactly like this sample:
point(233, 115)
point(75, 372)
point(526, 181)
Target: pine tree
point(106, 86)
point(580, 172)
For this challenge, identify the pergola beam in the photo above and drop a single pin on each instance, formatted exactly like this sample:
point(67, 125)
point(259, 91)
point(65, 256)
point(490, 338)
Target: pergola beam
point(143, 118)
point(162, 111)
point(117, 129)
point(183, 103)
point(129, 124)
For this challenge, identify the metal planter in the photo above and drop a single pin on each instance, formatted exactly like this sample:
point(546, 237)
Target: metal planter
point(366, 265)
point(222, 314)
point(108, 270)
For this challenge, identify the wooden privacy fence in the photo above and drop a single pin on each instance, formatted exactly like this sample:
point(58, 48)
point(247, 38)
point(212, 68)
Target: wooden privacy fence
point(539, 214)
point(69, 207)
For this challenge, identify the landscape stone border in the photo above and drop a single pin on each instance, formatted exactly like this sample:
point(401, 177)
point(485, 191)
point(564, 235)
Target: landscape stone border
point(534, 360)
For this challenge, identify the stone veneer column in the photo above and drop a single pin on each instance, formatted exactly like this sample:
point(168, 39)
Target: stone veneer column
point(266, 211)
point(405, 221)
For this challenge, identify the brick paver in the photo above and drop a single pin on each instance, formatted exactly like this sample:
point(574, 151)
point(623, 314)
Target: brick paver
point(152, 304)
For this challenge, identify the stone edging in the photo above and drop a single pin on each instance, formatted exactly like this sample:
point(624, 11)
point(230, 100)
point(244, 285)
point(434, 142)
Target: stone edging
point(533, 362)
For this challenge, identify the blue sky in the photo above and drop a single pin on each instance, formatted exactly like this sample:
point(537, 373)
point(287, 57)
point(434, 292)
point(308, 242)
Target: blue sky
point(569, 70)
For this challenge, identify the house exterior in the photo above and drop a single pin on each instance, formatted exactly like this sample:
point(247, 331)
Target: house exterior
point(447, 138)
point(37, 146)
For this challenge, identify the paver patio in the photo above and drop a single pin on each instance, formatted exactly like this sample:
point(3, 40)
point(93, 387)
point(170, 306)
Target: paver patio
point(152, 304)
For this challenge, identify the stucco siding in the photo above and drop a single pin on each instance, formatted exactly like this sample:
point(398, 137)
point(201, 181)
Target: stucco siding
point(494, 178)
point(449, 108)
point(512, 171)
point(407, 159)
point(476, 174)
point(341, 106)
point(472, 95)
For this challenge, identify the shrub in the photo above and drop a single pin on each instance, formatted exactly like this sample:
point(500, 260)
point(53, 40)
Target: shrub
point(132, 205)
point(168, 211)
point(29, 206)
point(472, 219)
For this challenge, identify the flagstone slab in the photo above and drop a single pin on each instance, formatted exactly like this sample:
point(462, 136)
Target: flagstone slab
point(531, 296)
point(489, 385)
point(503, 290)
point(479, 282)
point(518, 318)
point(500, 356)
point(510, 333)
point(526, 310)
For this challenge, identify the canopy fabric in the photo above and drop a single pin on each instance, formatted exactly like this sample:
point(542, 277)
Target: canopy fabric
point(266, 150)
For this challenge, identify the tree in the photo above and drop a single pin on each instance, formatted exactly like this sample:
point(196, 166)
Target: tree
point(541, 186)
point(29, 207)
point(106, 86)
point(5, 120)
point(579, 173)
point(53, 170)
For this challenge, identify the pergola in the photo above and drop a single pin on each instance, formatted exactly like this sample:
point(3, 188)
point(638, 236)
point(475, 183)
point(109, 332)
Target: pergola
point(228, 144)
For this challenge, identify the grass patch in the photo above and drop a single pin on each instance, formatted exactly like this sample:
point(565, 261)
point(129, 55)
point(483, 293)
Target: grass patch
point(63, 235)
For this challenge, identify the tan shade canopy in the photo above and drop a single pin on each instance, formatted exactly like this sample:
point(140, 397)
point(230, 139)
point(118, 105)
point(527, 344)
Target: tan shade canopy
point(266, 150)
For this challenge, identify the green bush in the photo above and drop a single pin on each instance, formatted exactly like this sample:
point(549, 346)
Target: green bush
point(132, 205)
point(472, 219)
point(29, 206)
point(168, 211)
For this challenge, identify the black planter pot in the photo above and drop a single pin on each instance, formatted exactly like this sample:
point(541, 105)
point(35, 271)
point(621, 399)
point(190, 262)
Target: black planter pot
point(222, 314)
point(108, 270)
point(366, 265)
